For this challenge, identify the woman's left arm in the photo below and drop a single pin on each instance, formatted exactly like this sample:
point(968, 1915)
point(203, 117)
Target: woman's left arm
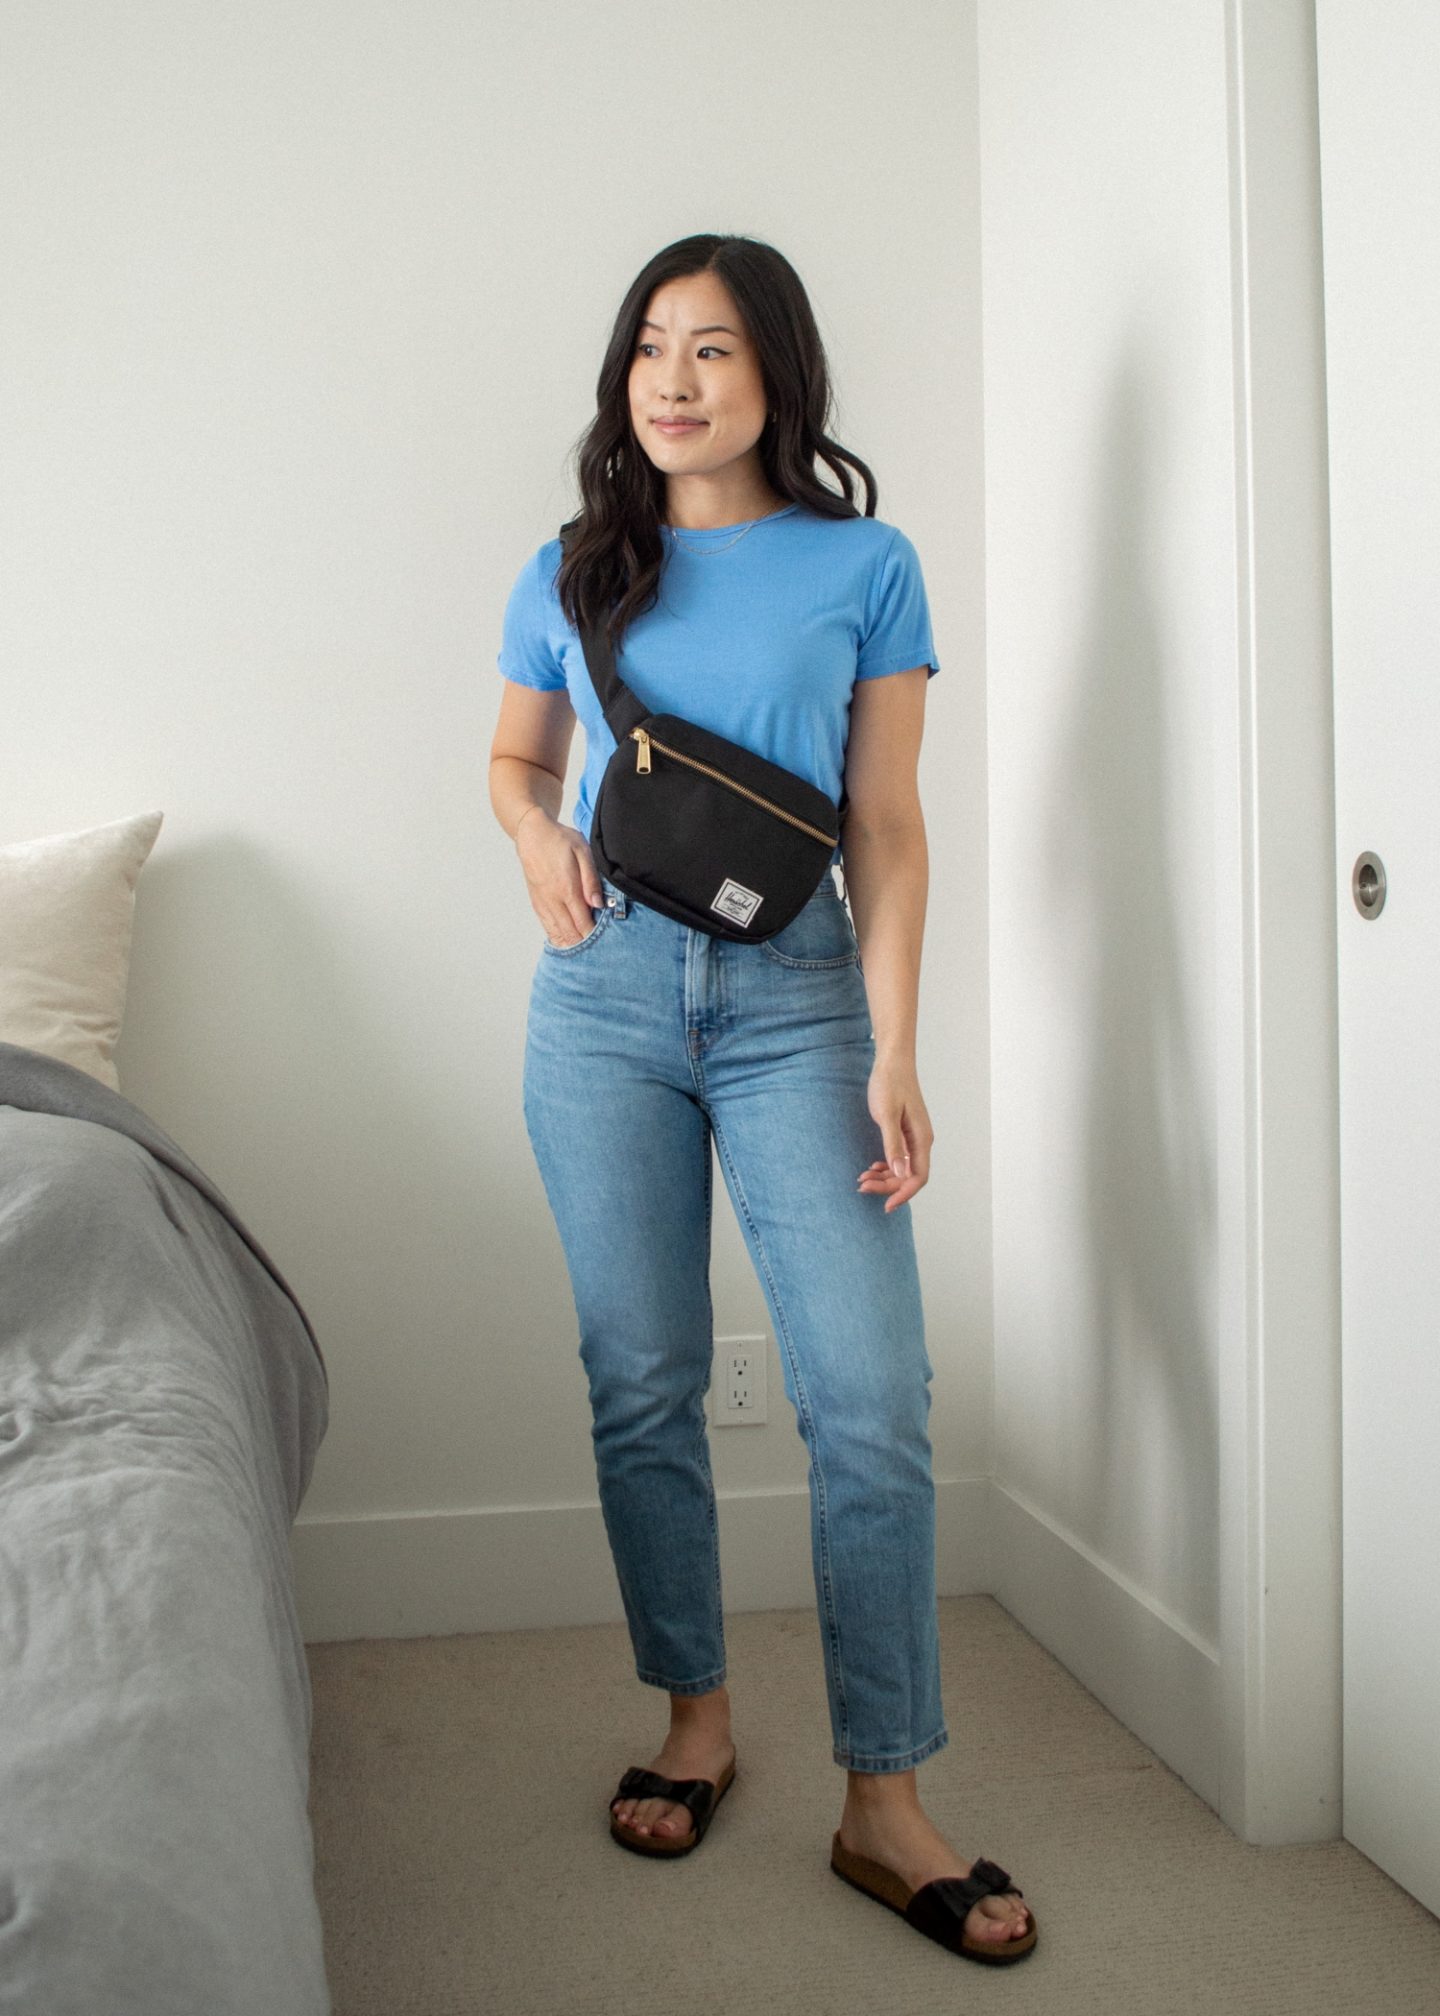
point(887, 874)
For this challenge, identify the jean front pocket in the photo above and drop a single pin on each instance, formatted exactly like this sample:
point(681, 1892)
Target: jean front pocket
point(597, 929)
point(821, 936)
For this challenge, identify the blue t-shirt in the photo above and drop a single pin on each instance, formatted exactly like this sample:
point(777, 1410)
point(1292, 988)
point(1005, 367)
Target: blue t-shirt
point(760, 641)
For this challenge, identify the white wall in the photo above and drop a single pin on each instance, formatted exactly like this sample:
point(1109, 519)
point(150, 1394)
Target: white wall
point(1162, 945)
point(302, 313)
point(1111, 622)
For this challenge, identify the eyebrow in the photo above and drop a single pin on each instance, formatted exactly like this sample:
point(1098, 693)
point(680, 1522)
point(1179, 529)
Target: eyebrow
point(710, 329)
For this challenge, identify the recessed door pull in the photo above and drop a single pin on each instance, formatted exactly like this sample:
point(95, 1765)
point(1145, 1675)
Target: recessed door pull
point(1367, 885)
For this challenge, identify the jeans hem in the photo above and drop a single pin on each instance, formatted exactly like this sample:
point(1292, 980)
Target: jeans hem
point(855, 1760)
point(706, 1686)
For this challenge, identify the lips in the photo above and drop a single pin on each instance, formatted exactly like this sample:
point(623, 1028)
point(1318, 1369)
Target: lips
point(679, 426)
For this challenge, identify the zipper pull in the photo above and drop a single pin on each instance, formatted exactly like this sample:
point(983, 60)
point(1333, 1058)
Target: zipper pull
point(642, 753)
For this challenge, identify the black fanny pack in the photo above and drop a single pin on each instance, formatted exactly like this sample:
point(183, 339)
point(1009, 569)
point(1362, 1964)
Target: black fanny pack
point(698, 827)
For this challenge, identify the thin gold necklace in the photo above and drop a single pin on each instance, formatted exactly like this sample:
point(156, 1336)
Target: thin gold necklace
point(674, 534)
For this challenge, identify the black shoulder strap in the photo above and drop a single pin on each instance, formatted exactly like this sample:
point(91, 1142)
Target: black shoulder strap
point(623, 710)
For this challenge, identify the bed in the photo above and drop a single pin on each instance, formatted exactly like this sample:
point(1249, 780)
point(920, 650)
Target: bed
point(162, 1398)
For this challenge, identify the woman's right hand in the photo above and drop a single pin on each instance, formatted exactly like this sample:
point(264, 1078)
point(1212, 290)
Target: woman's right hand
point(561, 875)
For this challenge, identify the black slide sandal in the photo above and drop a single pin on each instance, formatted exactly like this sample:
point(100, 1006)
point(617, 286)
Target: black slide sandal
point(699, 1794)
point(939, 1908)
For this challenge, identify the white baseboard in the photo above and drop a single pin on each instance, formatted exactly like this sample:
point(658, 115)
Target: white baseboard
point(518, 1568)
point(1142, 1663)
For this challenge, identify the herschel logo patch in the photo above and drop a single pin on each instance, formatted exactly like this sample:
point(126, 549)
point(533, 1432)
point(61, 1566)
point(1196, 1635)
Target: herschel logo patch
point(736, 902)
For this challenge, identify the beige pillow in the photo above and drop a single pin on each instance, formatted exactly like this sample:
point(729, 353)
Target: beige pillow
point(66, 907)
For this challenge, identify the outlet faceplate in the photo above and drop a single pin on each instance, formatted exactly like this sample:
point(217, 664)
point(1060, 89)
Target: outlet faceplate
point(737, 1381)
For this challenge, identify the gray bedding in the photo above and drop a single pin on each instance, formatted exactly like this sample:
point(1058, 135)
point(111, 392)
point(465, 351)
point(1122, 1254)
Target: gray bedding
point(162, 1398)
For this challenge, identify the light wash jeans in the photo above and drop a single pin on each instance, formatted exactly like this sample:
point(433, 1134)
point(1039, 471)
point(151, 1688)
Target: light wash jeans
point(644, 1039)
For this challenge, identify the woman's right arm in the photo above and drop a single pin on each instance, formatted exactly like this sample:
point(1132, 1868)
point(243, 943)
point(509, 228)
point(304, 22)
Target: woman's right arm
point(528, 760)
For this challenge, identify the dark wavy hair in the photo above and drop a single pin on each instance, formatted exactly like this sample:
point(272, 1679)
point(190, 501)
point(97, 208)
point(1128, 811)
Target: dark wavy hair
point(613, 550)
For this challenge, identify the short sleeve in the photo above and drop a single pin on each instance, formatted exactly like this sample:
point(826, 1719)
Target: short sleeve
point(897, 633)
point(526, 654)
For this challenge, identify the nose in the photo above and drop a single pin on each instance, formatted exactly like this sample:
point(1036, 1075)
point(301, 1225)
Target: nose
point(674, 378)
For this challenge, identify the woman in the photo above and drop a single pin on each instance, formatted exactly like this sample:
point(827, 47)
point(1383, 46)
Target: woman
point(761, 603)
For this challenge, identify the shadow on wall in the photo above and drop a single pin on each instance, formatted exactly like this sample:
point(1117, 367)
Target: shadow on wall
point(368, 1132)
point(246, 998)
point(1145, 1154)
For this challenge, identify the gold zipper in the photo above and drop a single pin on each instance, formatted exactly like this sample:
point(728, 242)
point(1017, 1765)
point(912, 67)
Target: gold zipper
point(642, 763)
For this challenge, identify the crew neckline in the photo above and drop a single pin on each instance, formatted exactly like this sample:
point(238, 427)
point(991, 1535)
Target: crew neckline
point(717, 531)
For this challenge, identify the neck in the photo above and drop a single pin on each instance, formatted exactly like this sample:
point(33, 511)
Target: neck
point(696, 513)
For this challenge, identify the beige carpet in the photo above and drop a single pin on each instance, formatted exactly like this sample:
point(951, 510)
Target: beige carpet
point(463, 1860)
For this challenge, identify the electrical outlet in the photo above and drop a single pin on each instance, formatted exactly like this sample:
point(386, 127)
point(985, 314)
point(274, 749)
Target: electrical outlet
point(738, 1380)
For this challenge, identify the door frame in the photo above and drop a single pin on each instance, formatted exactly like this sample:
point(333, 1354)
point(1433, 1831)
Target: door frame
point(1277, 1011)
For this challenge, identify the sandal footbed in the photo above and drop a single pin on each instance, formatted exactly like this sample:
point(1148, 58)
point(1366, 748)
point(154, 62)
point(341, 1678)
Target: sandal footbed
point(939, 1908)
point(641, 1783)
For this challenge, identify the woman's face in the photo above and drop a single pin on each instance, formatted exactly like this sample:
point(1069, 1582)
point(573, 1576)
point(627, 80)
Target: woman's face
point(693, 360)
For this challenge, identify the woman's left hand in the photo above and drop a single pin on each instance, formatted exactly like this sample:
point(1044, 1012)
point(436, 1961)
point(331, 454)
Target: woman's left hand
point(899, 1112)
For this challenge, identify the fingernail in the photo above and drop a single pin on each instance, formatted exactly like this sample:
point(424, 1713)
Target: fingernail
point(897, 1165)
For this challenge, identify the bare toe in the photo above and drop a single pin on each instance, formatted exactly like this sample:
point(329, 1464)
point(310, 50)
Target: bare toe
point(1003, 1917)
